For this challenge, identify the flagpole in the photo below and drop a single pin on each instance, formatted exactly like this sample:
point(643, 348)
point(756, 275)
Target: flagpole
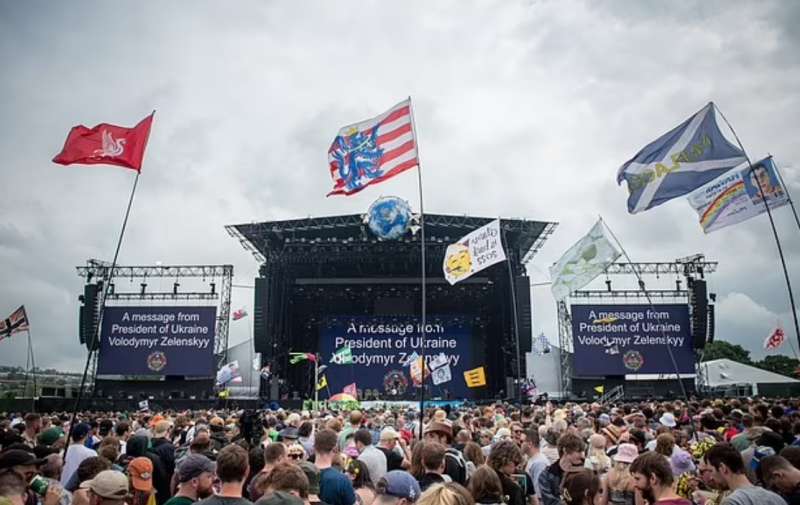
point(422, 260)
point(652, 306)
point(95, 335)
point(788, 195)
point(772, 224)
point(515, 320)
point(33, 369)
point(316, 381)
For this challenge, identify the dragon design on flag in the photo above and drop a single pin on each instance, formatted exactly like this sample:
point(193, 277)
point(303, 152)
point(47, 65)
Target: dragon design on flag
point(356, 156)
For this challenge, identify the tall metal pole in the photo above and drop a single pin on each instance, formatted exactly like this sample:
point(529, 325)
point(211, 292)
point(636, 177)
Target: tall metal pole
point(512, 286)
point(772, 224)
point(424, 282)
point(32, 370)
point(788, 195)
point(316, 382)
point(95, 335)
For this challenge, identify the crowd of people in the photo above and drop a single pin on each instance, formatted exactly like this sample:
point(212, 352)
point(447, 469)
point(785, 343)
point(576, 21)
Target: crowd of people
point(709, 452)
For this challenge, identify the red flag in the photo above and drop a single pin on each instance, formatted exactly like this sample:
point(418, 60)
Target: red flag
point(774, 339)
point(106, 144)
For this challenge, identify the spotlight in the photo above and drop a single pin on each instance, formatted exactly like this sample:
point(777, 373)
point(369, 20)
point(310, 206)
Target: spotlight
point(144, 288)
point(175, 288)
point(608, 284)
point(213, 288)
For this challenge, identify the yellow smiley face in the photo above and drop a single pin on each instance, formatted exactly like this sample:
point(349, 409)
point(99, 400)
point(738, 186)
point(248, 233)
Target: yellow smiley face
point(459, 262)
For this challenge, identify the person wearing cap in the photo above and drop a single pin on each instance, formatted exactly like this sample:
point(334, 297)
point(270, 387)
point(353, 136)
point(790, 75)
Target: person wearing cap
point(108, 487)
point(397, 487)
point(312, 474)
point(394, 448)
point(140, 471)
point(618, 480)
point(195, 477)
point(52, 437)
point(455, 465)
point(76, 451)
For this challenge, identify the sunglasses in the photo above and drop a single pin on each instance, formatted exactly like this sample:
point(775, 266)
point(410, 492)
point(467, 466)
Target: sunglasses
point(295, 456)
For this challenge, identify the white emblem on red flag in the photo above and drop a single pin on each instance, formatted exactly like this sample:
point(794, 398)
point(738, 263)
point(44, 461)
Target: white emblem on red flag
point(775, 339)
point(110, 147)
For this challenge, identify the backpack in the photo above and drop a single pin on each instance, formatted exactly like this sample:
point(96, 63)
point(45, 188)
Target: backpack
point(455, 466)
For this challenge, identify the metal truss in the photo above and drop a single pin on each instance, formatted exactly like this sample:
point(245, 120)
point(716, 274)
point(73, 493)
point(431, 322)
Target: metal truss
point(566, 347)
point(631, 293)
point(540, 240)
point(163, 296)
point(659, 268)
point(101, 271)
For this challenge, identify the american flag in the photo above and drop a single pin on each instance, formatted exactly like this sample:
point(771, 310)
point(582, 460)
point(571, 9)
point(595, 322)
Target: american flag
point(16, 322)
point(373, 150)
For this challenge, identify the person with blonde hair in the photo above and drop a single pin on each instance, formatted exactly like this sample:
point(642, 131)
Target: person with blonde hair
point(618, 482)
point(446, 494)
point(597, 460)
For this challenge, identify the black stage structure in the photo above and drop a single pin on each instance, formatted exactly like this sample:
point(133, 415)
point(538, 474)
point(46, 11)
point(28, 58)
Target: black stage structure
point(316, 268)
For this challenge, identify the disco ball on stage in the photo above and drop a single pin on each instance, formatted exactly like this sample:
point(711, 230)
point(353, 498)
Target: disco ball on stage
point(389, 217)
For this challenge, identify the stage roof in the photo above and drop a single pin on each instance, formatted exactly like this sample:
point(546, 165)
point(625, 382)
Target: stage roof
point(268, 239)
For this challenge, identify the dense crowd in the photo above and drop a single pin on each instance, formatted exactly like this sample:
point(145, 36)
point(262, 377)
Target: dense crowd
point(721, 452)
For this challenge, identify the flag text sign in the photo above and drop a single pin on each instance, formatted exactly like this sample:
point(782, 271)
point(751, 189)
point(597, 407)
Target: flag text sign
point(157, 340)
point(631, 339)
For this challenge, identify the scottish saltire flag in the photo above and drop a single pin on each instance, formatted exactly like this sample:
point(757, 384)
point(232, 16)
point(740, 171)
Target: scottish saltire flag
point(373, 150)
point(680, 161)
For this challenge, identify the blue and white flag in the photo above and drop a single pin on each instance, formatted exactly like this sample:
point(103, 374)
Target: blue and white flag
point(680, 161)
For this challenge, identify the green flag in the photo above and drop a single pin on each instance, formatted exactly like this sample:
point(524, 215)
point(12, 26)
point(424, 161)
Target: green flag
point(343, 356)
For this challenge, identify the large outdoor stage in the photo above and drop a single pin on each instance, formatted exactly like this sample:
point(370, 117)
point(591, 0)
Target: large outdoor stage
point(329, 283)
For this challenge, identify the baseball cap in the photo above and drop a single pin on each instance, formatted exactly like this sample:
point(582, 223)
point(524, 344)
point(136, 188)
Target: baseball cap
point(194, 465)
point(50, 436)
point(312, 472)
point(281, 498)
point(400, 484)
point(289, 433)
point(108, 484)
point(80, 430)
point(141, 472)
point(389, 433)
point(15, 457)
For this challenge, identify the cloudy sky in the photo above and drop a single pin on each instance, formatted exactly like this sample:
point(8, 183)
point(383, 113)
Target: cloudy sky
point(523, 109)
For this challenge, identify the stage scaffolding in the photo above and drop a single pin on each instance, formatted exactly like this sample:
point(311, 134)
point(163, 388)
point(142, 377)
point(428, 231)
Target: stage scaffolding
point(689, 268)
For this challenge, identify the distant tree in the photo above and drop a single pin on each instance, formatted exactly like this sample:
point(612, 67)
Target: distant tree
point(719, 349)
point(783, 365)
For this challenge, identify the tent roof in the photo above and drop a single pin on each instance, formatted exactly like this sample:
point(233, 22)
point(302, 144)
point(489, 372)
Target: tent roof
point(722, 372)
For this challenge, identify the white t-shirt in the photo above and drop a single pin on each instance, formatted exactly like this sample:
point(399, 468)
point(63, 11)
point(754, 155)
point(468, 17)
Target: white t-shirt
point(76, 453)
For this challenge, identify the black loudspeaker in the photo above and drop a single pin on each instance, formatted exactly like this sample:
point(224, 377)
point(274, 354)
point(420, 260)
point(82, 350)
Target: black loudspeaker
point(698, 300)
point(711, 323)
point(522, 286)
point(260, 334)
point(89, 315)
